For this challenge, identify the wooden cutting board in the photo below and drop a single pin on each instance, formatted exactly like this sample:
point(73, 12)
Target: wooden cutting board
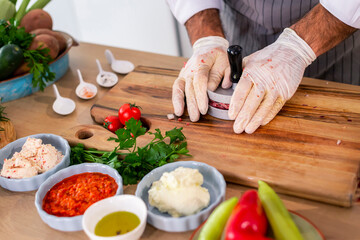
point(310, 150)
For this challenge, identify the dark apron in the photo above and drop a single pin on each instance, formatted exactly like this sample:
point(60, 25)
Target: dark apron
point(254, 24)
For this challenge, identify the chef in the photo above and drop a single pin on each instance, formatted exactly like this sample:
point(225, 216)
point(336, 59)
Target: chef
point(283, 40)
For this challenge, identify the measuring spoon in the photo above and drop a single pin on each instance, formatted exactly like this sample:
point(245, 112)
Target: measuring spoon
point(62, 105)
point(85, 90)
point(120, 66)
point(104, 78)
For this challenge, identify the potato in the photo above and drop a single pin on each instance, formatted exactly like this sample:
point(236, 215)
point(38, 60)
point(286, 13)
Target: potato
point(22, 69)
point(46, 41)
point(61, 40)
point(35, 19)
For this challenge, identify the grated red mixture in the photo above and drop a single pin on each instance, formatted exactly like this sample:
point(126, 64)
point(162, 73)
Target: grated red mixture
point(73, 195)
point(223, 106)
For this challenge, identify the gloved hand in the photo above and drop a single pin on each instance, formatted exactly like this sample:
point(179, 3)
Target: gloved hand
point(270, 78)
point(204, 70)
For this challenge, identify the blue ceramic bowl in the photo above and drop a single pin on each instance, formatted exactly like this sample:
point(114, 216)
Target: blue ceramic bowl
point(213, 181)
point(33, 183)
point(21, 85)
point(69, 224)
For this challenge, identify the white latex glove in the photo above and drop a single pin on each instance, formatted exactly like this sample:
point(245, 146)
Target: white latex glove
point(204, 70)
point(270, 78)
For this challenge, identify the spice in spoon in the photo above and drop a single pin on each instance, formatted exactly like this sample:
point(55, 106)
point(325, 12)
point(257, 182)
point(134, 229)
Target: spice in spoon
point(86, 92)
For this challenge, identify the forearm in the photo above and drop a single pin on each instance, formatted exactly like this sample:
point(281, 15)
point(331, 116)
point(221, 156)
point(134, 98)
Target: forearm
point(321, 30)
point(203, 24)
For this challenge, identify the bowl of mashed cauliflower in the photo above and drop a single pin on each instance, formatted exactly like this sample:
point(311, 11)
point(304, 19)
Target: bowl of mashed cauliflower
point(181, 195)
point(27, 162)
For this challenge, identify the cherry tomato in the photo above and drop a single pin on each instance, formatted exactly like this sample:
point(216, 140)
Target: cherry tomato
point(112, 123)
point(128, 111)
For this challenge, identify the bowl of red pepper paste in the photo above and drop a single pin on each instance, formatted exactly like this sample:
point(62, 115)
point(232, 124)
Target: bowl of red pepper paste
point(63, 198)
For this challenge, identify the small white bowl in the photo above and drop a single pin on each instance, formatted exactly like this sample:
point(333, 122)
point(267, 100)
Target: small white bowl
point(69, 224)
point(213, 181)
point(97, 211)
point(33, 183)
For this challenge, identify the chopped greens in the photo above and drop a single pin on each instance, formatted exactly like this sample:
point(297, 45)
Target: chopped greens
point(131, 161)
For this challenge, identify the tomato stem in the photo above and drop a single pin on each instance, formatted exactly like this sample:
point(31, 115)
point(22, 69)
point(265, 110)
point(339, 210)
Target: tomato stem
point(133, 105)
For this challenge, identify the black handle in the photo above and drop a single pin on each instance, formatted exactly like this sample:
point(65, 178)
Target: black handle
point(235, 60)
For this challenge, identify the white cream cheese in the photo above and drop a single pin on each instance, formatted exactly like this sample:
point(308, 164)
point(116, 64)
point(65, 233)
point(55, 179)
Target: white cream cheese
point(34, 158)
point(179, 192)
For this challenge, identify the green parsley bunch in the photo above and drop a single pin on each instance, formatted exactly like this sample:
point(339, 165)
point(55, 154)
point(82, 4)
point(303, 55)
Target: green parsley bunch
point(131, 161)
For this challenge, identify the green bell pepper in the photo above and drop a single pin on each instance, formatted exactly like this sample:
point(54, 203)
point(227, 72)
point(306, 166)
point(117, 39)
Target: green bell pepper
point(278, 216)
point(216, 222)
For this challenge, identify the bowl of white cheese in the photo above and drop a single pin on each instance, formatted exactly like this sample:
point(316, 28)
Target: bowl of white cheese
point(27, 162)
point(180, 196)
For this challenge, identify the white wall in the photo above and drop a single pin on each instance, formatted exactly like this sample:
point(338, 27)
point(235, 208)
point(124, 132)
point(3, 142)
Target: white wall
point(184, 41)
point(145, 25)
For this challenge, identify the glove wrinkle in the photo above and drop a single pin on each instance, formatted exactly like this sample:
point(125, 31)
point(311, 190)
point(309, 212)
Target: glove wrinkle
point(226, 83)
point(251, 104)
point(178, 96)
point(200, 87)
point(263, 110)
point(241, 92)
point(191, 103)
point(279, 103)
point(217, 71)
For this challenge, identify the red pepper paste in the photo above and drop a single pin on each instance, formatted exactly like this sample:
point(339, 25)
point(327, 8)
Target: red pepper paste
point(73, 195)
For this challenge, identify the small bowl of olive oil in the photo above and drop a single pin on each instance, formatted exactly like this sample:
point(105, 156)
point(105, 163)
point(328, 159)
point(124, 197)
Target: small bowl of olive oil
point(121, 217)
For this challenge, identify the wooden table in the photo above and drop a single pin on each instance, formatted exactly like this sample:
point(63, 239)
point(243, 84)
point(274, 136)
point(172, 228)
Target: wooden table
point(34, 114)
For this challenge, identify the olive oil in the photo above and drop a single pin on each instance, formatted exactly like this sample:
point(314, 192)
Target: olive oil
point(116, 223)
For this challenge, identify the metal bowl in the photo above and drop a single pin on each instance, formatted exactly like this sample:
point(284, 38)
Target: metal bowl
point(69, 224)
point(33, 183)
point(213, 181)
point(21, 86)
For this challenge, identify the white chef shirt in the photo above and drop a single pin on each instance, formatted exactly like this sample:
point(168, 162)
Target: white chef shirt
point(347, 11)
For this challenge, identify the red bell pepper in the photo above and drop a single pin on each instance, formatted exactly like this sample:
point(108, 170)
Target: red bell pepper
point(251, 236)
point(248, 220)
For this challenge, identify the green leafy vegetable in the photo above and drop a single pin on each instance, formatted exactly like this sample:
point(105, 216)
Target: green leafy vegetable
point(41, 72)
point(131, 161)
point(37, 60)
point(9, 33)
point(2, 116)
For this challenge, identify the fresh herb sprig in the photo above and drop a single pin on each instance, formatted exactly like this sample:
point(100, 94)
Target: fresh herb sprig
point(131, 161)
point(2, 117)
point(37, 60)
point(41, 72)
point(9, 33)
